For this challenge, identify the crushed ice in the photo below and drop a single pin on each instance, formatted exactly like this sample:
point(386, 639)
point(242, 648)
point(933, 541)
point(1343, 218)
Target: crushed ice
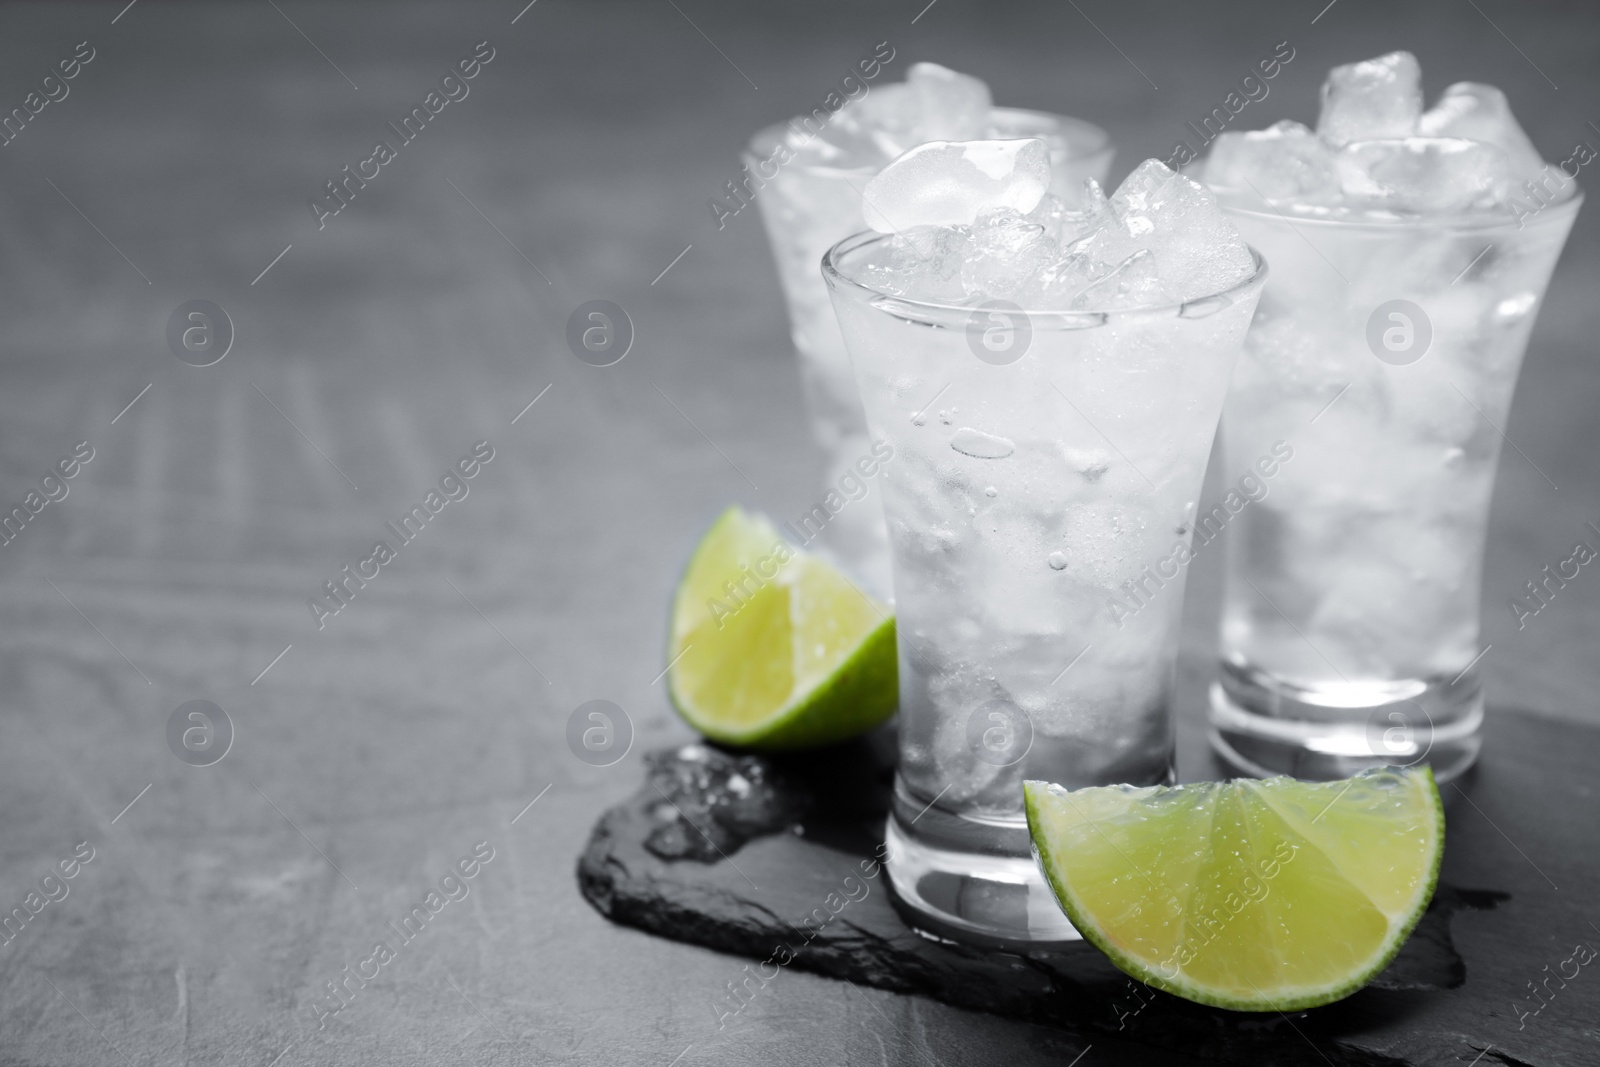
point(1375, 150)
point(972, 222)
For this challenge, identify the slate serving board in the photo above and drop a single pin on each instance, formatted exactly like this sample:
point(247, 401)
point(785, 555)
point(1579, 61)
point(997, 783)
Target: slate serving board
point(772, 859)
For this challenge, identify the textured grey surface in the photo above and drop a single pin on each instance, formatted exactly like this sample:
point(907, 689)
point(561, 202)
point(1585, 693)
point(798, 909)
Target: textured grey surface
point(418, 722)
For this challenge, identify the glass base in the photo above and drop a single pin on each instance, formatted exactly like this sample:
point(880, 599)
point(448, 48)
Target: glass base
point(1263, 726)
point(974, 881)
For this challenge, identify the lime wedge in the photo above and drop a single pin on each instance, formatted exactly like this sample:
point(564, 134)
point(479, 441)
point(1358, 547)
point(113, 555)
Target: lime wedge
point(1271, 895)
point(772, 648)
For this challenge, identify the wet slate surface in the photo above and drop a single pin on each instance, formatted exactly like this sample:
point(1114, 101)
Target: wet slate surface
point(803, 891)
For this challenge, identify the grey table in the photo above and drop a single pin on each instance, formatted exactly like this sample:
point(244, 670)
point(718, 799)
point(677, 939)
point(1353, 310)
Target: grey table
point(371, 755)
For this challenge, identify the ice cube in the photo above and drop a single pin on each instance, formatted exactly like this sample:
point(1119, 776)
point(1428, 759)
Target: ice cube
point(951, 106)
point(1005, 252)
point(1285, 161)
point(887, 117)
point(1095, 202)
point(1196, 249)
point(1127, 226)
point(1067, 277)
point(1135, 282)
point(1068, 224)
point(1375, 99)
point(1361, 619)
point(947, 183)
point(1425, 174)
point(1098, 252)
point(1094, 208)
point(1481, 113)
point(922, 265)
point(1002, 231)
point(1052, 214)
point(894, 104)
point(934, 103)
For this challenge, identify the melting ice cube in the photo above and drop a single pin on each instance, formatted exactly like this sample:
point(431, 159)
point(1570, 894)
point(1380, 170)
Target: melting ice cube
point(1425, 173)
point(887, 117)
point(1374, 99)
point(1006, 250)
point(948, 183)
point(1376, 149)
point(1197, 250)
point(934, 103)
point(1135, 282)
point(951, 106)
point(1285, 161)
point(1481, 113)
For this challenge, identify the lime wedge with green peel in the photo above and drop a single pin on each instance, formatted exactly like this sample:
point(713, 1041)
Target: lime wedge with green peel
point(772, 648)
point(1271, 895)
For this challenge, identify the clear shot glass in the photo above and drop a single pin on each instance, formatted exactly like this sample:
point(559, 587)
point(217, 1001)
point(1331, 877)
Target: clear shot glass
point(806, 209)
point(1385, 353)
point(1044, 462)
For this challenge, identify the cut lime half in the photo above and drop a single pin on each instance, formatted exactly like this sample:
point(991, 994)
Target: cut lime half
point(772, 648)
point(1270, 895)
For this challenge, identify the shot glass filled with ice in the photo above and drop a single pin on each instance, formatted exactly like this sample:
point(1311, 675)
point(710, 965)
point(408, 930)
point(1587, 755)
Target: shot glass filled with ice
point(1410, 251)
point(805, 178)
point(1049, 377)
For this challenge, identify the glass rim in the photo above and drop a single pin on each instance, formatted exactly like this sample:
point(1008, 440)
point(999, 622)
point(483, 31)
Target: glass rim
point(933, 313)
point(1237, 202)
point(1097, 141)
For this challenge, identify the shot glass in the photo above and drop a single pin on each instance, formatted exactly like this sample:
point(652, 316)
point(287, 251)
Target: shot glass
point(1044, 463)
point(1385, 353)
point(806, 208)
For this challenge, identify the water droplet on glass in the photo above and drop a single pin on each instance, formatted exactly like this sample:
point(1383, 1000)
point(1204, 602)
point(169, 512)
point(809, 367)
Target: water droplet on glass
point(980, 445)
point(1090, 463)
point(991, 491)
point(1513, 308)
point(1057, 561)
